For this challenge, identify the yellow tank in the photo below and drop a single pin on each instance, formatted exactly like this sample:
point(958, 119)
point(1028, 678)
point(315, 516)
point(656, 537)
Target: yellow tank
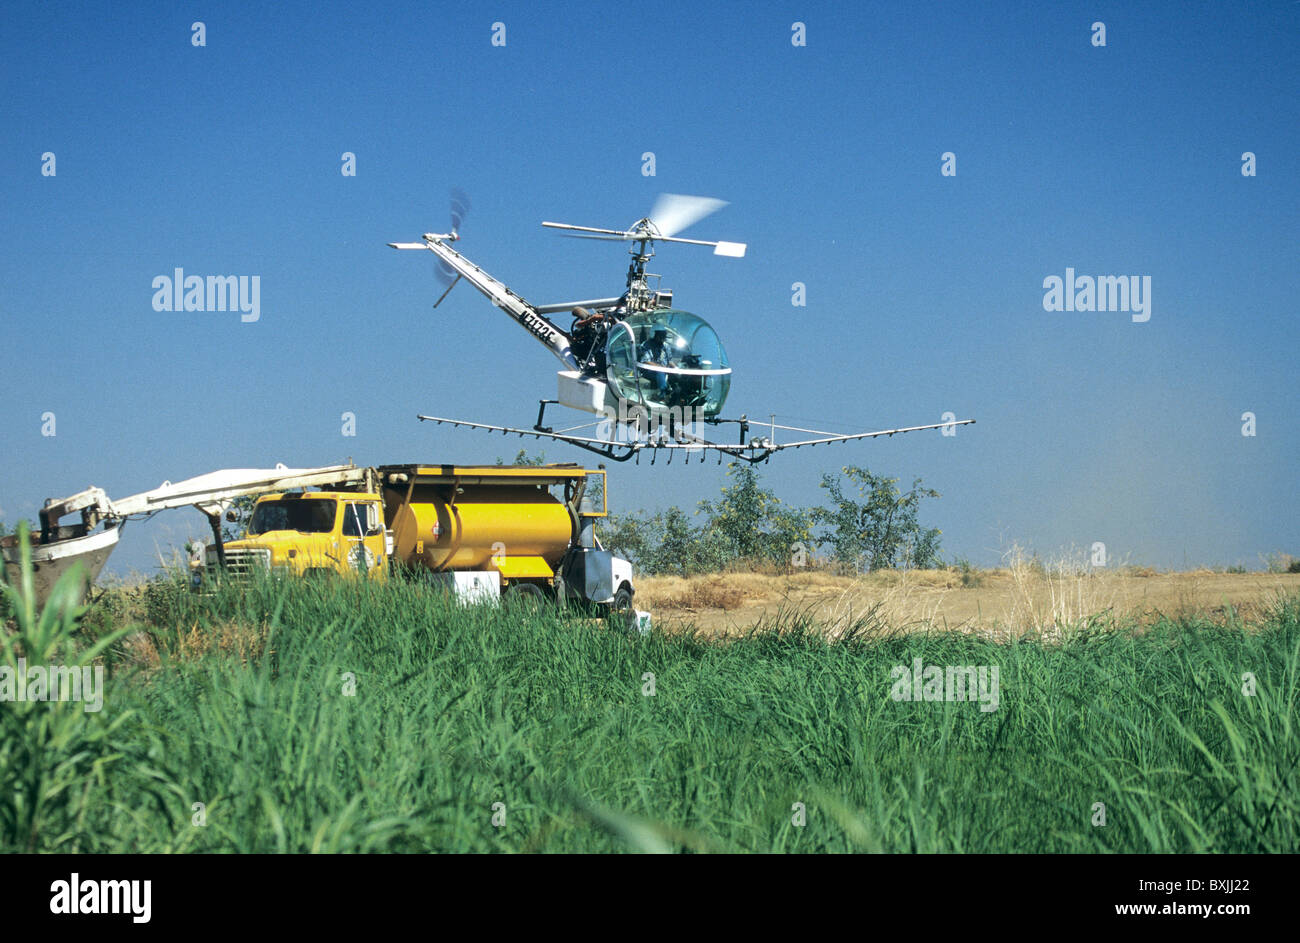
point(480, 522)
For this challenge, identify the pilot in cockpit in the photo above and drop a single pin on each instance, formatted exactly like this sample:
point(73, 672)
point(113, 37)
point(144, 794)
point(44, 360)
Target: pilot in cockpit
point(655, 351)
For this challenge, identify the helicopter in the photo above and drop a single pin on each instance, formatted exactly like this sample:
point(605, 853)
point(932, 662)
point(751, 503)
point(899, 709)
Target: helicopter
point(654, 373)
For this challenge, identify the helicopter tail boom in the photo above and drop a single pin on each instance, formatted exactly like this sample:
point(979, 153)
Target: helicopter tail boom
point(525, 315)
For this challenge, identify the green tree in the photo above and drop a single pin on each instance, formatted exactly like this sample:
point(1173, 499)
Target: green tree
point(750, 523)
point(665, 542)
point(244, 506)
point(523, 458)
point(877, 528)
point(628, 535)
point(682, 548)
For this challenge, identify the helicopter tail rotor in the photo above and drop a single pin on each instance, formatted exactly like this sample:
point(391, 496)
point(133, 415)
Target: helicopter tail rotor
point(446, 275)
point(459, 208)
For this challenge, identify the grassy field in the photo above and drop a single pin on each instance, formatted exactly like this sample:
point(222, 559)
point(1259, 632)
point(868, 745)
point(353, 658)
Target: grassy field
point(355, 717)
point(998, 603)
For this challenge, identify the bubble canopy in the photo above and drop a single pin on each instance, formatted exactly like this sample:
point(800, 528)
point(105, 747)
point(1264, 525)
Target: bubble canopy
point(668, 359)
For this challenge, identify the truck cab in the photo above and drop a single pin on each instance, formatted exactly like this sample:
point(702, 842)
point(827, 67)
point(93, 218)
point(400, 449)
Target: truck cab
point(311, 532)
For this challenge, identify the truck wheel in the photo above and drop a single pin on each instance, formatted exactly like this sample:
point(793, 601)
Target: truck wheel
point(621, 609)
point(526, 595)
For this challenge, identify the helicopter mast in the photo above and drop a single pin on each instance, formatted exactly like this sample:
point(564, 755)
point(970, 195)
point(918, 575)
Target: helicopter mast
point(639, 296)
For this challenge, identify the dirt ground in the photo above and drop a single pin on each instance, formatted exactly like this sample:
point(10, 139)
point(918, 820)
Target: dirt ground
point(1011, 600)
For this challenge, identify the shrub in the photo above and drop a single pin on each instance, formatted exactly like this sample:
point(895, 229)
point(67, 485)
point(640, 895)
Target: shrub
point(750, 523)
point(879, 529)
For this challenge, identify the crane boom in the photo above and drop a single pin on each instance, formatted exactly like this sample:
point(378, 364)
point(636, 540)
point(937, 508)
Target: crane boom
point(58, 548)
point(209, 493)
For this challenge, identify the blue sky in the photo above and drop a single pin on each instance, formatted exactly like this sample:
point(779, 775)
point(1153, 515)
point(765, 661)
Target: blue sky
point(924, 292)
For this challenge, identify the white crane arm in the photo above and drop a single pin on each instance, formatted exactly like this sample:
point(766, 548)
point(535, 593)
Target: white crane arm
point(210, 492)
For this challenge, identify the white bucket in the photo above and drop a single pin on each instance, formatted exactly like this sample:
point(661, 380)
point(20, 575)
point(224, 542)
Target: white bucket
point(639, 622)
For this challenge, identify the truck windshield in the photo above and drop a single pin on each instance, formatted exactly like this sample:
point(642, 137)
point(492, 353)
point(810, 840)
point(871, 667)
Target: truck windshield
point(308, 516)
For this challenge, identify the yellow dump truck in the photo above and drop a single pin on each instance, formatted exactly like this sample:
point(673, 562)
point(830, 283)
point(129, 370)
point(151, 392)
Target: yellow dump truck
point(480, 530)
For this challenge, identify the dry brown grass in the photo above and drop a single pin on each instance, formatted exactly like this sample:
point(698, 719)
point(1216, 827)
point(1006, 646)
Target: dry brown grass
point(144, 650)
point(709, 592)
point(1025, 595)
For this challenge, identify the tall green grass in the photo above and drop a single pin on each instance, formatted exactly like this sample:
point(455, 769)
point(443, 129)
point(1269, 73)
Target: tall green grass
point(55, 757)
point(456, 710)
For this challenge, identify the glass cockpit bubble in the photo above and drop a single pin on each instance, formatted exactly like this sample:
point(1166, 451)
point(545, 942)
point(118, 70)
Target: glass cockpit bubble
point(668, 359)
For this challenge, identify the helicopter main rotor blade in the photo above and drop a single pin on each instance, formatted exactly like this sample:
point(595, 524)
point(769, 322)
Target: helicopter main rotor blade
point(620, 233)
point(674, 212)
point(731, 250)
point(583, 235)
